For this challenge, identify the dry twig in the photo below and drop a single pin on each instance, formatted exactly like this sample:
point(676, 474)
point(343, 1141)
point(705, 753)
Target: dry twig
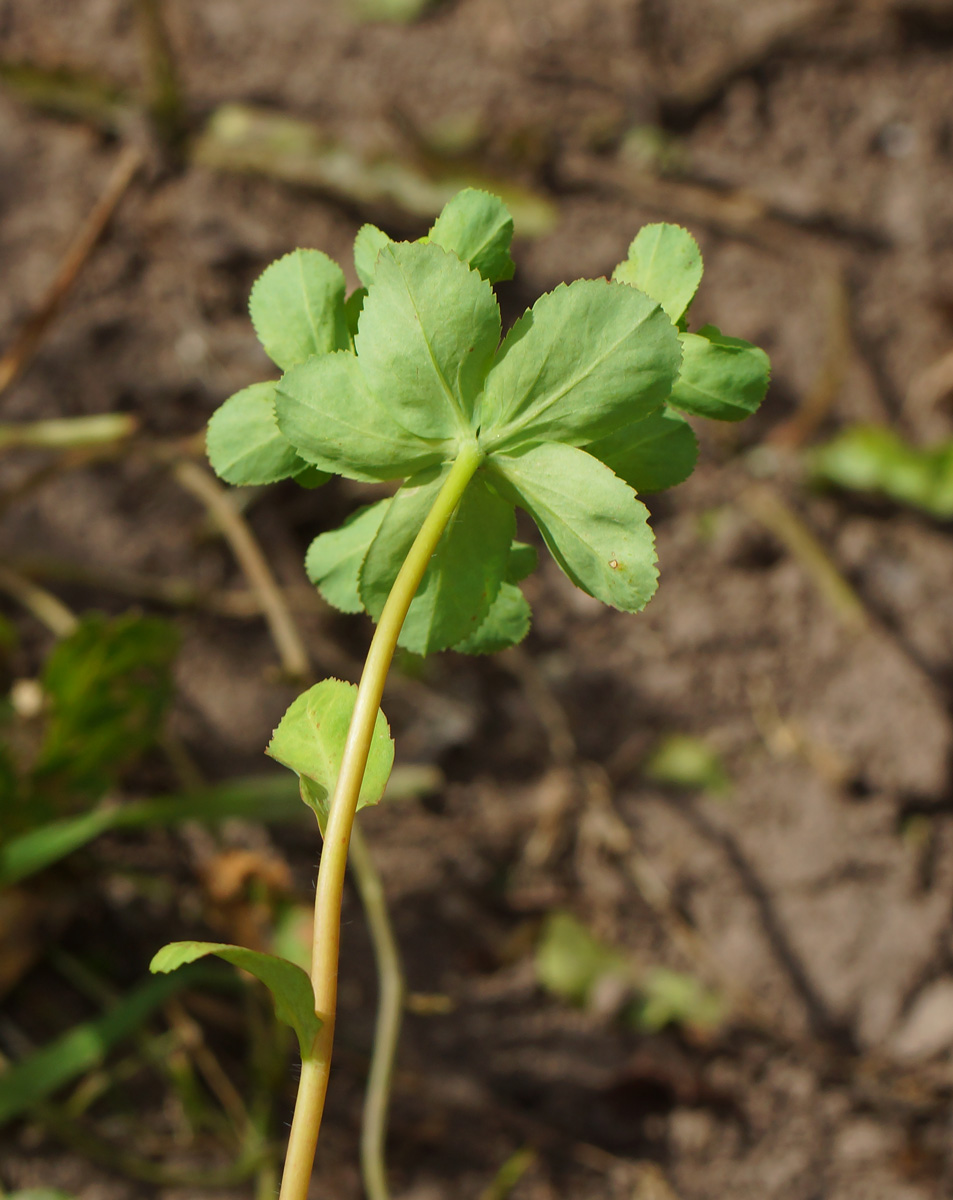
point(18, 356)
point(235, 529)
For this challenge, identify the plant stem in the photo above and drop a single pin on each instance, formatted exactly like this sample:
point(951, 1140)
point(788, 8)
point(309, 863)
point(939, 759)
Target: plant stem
point(68, 433)
point(327, 906)
point(390, 1010)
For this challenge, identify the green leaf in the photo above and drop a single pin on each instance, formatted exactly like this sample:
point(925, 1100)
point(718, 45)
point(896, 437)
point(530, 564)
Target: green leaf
point(478, 229)
point(334, 559)
point(310, 741)
point(109, 684)
point(872, 458)
point(429, 329)
point(687, 762)
point(400, 12)
point(310, 477)
point(674, 998)
point(85, 1046)
point(368, 244)
point(592, 522)
point(587, 359)
point(39, 1193)
point(353, 307)
point(245, 445)
point(664, 262)
point(272, 798)
point(722, 378)
point(464, 574)
point(289, 985)
point(297, 308)
point(327, 412)
point(572, 963)
point(652, 454)
point(522, 562)
point(505, 625)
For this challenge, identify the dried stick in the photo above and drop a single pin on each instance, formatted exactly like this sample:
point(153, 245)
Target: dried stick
point(43, 605)
point(288, 642)
point(16, 359)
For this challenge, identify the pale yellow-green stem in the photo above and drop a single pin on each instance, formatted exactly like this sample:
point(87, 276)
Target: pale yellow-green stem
point(390, 1011)
point(313, 1084)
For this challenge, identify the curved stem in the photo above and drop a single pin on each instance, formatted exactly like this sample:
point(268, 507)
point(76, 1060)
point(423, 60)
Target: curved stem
point(327, 905)
point(390, 1010)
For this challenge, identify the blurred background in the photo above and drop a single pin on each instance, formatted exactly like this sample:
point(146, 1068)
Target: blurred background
point(673, 891)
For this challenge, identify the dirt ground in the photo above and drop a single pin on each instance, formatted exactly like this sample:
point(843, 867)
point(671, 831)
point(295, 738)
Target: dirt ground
point(809, 146)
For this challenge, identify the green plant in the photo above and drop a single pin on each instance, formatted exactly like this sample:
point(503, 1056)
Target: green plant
point(873, 458)
point(573, 964)
point(101, 700)
point(574, 412)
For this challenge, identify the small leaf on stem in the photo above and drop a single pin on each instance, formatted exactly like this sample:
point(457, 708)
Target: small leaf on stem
point(310, 741)
point(289, 985)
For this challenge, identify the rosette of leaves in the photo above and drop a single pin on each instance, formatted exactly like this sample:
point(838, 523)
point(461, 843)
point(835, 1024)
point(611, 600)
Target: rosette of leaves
point(577, 410)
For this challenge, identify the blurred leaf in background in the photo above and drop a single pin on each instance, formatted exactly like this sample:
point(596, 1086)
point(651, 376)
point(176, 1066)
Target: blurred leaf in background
point(101, 702)
point(873, 458)
point(680, 760)
point(400, 12)
point(575, 965)
point(676, 998)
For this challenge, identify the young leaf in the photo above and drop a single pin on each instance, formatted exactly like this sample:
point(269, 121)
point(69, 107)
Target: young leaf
point(289, 985)
point(333, 562)
point(464, 574)
point(429, 329)
point(587, 359)
point(652, 454)
point(506, 624)
point(310, 741)
point(721, 377)
point(245, 445)
point(664, 262)
point(368, 244)
point(327, 412)
point(593, 524)
point(297, 308)
point(478, 229)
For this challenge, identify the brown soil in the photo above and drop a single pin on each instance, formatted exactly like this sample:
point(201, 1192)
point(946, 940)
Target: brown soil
point(813, 152)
